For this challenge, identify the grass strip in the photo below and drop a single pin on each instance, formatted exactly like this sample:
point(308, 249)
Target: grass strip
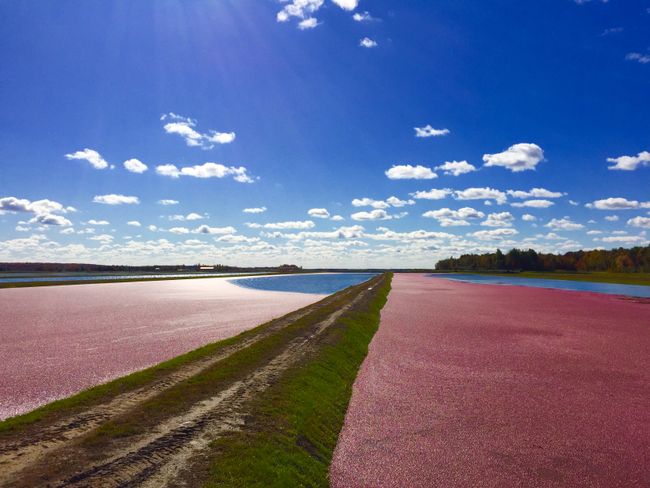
point(290, 436)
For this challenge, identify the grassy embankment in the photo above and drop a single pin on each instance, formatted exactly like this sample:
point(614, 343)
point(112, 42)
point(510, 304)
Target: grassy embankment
point(594, 276)
point(293, 426)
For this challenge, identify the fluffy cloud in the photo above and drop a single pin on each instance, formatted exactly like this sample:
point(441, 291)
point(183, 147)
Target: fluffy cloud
point(98, 222)
point(305, 224)
point(611, 218)
point(456, 168)
point(255, 210)
point(528, 218)
point(429, 131)
point(362, 17)
point(319, 213)
point(617, 203)
point(408, 172)
point(347, 4)
point(533, 204)
point(519, 157)
point(351, 232)
point(496, 234)
point(381, 204)
point(135, 166)
point(45, 211)
point(185, 127)
point(298, 8)
point(481, 194)
point(190, 216)
point(90, 155)
point(447, 217)
point(563, 224)
point(180, 230)
point(206, 229)
point(134, 223)
point(367, 43)
point(206, 170)
point(630, 163)
point(643, 222)
point(433, 194)
point(638, 57)
point(535, 193)
point(308, 23)
point(376, 214)
point(113, 199)
point(501, 219)
point(167, 202)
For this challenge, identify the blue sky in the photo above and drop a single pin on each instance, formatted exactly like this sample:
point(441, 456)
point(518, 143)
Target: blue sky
point(490, 124)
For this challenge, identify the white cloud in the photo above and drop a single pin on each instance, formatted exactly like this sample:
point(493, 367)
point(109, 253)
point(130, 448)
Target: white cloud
point(376, 214)
point(206, 170)
point(205, 229)
point(519, 157)
point(381, 204)
point(612, 218)
point(347, 4)
point(363, 17)
point(563, 224)
point(447, 217)
point(235, 239)
point(643, 222)
point(630, 163)
point(185, 127)
point(255, 210)
point(528, 218)
point(409, 172)
point(167, 202)
point(134, 223)
point(624, 240)
point(433, 194)
point(179, 230)
point(456, 168)
point(45, 211)
point(617, 203)
point(305, 224)
point(594, 232)
point(638, 57)
point(103, 238)
point(495, 234)
point(308, 23)
point(367, 43)
point(429, 131)
point(337, 218)
point(98, 222)
point(90, 155)
point(533, 204)
point(501, 219)
point(481, 194)
point(190, 216)
point(113, 199)
point(135, 166)
point(535, 193)
point(319, 213)
point(298, 8)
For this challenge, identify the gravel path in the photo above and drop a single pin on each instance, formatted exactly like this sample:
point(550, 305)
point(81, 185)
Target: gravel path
point(58, 340)
point(480, 385)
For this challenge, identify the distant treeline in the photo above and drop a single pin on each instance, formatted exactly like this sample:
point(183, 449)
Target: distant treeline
point(101, 268)
point(622, 260)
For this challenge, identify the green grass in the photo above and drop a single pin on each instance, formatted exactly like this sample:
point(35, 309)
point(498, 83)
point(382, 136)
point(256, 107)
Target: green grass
point(595, 276)
point(290, 436)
